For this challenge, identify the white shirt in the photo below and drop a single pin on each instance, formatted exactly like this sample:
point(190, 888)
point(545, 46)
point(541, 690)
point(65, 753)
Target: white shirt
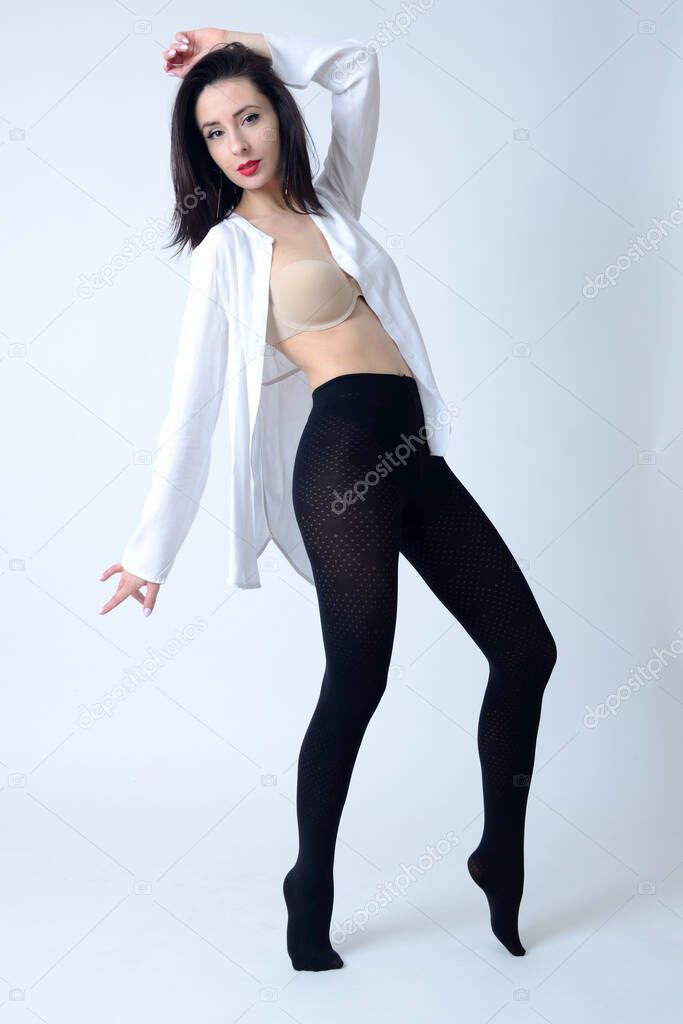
point(222, 344)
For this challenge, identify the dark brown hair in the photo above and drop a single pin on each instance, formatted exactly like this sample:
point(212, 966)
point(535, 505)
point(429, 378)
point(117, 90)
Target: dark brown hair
point(196, 176)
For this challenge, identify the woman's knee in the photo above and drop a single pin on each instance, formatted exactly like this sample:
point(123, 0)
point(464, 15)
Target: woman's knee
point(545, 654)
point(355, 691)
point(533, 655)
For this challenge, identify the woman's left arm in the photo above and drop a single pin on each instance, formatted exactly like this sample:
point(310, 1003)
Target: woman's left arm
point(350, 71)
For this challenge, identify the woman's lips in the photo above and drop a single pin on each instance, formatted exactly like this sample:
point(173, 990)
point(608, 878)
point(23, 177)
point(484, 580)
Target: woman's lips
point(250, 168)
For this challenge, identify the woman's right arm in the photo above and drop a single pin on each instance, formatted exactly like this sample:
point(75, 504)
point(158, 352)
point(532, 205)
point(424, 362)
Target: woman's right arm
point(182, 459)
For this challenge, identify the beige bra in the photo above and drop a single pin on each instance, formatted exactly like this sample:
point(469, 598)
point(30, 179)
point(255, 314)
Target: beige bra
point(309, 295)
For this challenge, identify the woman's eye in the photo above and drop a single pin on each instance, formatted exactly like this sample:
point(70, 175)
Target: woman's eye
point(212, 134)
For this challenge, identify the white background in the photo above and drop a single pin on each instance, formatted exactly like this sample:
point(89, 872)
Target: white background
point(522, 148)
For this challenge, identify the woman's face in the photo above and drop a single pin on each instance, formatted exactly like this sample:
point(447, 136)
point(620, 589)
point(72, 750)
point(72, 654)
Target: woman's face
point(239, 124)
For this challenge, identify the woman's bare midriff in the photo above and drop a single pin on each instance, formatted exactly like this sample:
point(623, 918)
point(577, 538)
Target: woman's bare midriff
point(358, 344)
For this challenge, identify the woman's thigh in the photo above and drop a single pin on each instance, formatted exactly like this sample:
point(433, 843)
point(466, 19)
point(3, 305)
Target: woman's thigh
point(351, 525)
point(456, 549)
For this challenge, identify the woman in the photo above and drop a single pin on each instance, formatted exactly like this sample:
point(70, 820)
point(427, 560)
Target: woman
point(282, 273)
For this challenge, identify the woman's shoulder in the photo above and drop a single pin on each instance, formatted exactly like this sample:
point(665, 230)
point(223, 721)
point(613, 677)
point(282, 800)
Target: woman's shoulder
point(218, 236)
point(219, 244)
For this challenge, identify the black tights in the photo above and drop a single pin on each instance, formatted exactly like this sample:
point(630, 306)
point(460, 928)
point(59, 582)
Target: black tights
point(354, 523)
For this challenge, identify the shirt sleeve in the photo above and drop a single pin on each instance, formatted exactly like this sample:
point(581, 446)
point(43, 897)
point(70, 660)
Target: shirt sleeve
point(183, 455)
point(350, 71)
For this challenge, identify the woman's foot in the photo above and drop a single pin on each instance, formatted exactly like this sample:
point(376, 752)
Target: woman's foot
point(502, 885)
point(309, 910)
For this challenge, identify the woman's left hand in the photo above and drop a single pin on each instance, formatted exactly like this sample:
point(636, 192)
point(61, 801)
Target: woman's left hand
point(188, 47)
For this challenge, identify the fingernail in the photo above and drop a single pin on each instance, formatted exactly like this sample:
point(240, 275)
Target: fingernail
point(172, 53)
point(146, 612)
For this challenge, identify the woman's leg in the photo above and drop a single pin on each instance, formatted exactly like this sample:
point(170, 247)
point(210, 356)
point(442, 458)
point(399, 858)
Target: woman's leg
point(353, 550)
point(459, 553)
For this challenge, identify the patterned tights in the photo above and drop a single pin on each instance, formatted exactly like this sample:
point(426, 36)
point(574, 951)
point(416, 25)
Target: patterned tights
point(354, 523)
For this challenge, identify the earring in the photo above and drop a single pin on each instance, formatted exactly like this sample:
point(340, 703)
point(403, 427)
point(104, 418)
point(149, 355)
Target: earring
point(220, 189)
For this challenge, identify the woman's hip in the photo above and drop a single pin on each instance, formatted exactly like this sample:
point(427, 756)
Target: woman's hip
point(363, 432)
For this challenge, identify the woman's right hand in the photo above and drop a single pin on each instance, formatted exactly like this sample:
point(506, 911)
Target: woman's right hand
point(129, 586)
point(188, 47)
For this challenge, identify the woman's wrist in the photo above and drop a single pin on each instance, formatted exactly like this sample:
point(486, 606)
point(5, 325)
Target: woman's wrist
point(254, 40)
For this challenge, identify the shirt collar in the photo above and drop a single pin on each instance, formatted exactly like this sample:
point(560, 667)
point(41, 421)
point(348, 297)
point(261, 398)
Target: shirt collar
point(251, 229)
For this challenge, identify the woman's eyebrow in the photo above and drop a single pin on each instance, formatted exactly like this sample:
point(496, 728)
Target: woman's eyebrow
point(211, 124)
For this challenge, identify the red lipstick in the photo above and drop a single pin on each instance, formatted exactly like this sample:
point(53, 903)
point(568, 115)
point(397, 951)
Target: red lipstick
point(251, 167)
